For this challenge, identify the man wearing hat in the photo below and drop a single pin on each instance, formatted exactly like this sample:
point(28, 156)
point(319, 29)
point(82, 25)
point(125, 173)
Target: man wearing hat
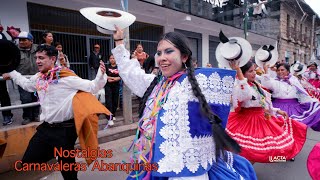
point(28, 66)
point(94, 60)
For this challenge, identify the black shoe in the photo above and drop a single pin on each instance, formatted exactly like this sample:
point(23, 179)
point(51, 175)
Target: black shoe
point(7, 120)
point(26, 121)
point(292, 159)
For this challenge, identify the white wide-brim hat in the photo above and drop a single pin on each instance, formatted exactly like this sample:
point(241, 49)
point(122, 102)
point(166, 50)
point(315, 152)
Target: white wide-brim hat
point(106, 18)
point(233, 49)
point(266, 54)
point(298, 68)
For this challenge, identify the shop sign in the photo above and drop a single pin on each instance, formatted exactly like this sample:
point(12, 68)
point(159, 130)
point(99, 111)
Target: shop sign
point(216, 3)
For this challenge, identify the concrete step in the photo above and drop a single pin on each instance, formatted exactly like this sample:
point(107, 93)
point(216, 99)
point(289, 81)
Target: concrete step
point(135, 108)
point(117, 131)
point(118, 122)
point(114, 133)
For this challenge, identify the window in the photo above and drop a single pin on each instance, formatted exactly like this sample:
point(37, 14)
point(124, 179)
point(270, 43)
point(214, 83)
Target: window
point(301, 32)
point(288, 25)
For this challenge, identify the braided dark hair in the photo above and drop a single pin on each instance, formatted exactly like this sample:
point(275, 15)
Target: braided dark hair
point(221, 139)
point(142, 103)
point(244, 69)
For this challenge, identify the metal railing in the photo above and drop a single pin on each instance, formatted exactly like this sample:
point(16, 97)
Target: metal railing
point(19, 106)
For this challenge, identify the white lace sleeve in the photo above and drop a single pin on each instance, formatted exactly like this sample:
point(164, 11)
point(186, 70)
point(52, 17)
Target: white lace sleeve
point(130, 72)
point(26, 84)
point(268, 82)
point(302, 94)
point(241, 92)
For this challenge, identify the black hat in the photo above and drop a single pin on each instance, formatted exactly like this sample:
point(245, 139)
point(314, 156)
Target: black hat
point(10, 56)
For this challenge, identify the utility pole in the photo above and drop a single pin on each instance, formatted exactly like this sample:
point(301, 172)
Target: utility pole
point(126, 92)
point(312, 36)
point(245, 18)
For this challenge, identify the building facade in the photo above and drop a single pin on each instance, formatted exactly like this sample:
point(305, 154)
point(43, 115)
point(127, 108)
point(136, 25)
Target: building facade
point(154, 18)
point(200, 20)
point(289, 22)
point(297, 32)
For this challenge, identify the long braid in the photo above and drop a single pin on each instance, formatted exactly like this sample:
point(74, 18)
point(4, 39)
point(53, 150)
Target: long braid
point(221, 139)
point(259, 88)
point(144, 99)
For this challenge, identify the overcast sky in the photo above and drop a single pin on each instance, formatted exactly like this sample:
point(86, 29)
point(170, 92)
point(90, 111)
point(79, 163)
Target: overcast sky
point(315, 5)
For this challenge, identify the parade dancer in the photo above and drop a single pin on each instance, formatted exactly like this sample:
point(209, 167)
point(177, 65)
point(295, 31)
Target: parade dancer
point(263, 136)
point(289, 95)
point(66, 110)
point(313, 162)
point(312, 74)
point(298, 69)
point(181, 118)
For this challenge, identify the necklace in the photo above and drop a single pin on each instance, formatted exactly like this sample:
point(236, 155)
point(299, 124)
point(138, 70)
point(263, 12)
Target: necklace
point(52, 76)
point(145, 136)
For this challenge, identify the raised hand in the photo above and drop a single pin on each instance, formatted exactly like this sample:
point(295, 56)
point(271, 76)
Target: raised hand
point(234, 65)
point(102, 67)
point(118, 34)
point(6, 76)
point(283, 113)
point(266, 68)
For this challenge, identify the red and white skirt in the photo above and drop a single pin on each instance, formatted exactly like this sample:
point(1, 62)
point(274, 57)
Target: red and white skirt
point(264, 139)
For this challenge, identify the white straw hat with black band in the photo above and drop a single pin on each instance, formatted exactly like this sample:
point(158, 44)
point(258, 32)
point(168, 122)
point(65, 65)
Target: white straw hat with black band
point(106, 18)
point(298, 68)
point(232, 49)
point(266, 54)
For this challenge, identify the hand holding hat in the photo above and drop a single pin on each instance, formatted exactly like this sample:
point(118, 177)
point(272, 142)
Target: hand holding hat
point(232, 49)
point(106, 18)
point(266, 55)
point(118, 34)
point(298, 68)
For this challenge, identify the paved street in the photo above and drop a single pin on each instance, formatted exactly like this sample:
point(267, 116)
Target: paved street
point(15, 100)
point(279, 171)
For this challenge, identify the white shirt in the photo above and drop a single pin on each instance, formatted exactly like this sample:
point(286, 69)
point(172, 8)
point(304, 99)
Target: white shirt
point(249, 97)
point(138, 81)
point(283, 90)
point(310, 74)
point(56, 101)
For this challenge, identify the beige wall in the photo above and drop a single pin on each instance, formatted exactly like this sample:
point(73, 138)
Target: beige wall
point(298, 50)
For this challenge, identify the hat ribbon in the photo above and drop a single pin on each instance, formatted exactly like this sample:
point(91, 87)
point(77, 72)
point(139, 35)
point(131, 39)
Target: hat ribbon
point(225, 39)
point(240, 54)
point(299, 68)
point(269, 49)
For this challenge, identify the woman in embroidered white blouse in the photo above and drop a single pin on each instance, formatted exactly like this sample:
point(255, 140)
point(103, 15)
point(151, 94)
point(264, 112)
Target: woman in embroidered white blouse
point(289, 95)
point(174, 60)
point(262, 135)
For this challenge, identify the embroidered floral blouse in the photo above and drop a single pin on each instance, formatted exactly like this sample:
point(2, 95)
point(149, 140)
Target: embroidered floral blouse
point(183, 148)
point(286, 89)
point(247, 96)
point(311, 75)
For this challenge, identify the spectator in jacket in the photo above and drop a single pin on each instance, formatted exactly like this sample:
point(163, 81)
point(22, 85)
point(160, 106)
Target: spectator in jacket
point(94, 60)
point(28, 66)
